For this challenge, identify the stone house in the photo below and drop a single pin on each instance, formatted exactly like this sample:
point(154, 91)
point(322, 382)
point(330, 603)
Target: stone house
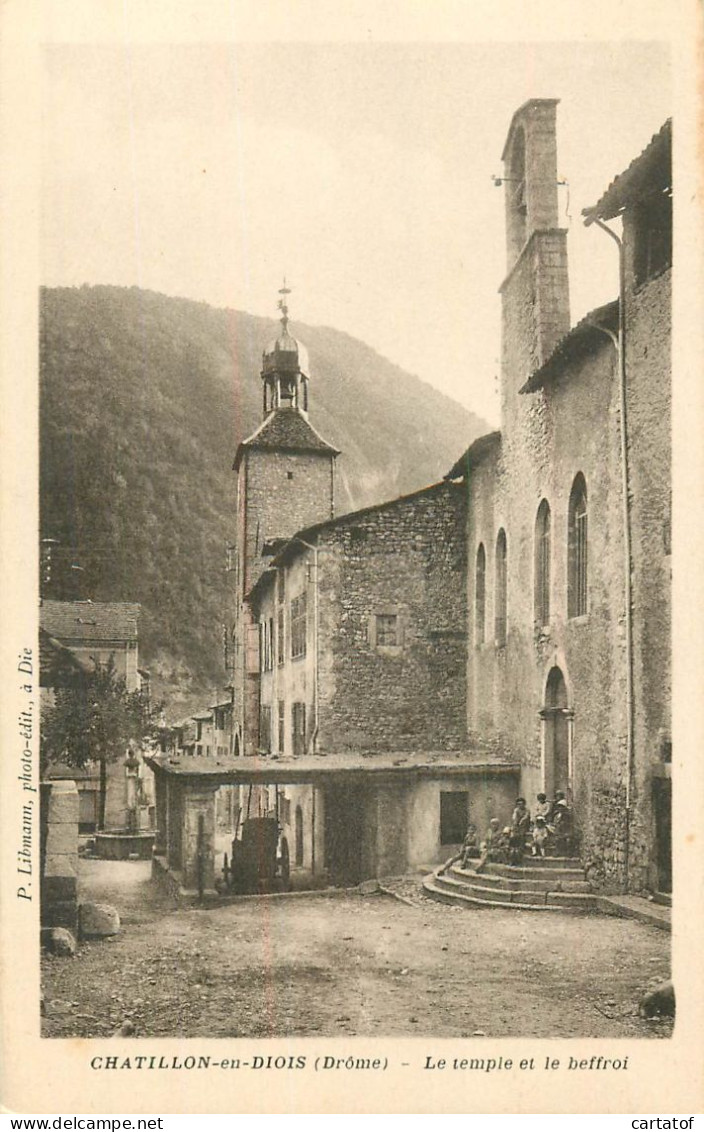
point(89, 633)
point(363, 654)
point(95, 631)
point(568, 515)
point(222, 728)
point(372, 603)
point(204, 741)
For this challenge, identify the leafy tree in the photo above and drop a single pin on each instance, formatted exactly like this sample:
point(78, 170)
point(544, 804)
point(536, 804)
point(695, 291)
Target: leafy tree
point(94, 719)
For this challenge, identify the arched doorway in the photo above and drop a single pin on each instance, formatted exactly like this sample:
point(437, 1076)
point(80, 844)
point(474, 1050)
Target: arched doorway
point(556, 718)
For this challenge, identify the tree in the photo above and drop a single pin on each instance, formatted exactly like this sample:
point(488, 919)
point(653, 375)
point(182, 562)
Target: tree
point(94, 719)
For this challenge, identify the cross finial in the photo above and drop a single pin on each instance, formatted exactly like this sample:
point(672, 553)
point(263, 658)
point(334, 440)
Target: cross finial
point(283, 305)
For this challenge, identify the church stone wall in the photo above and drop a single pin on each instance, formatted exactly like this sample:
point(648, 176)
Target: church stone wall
point(405, 560)
point(578, 432)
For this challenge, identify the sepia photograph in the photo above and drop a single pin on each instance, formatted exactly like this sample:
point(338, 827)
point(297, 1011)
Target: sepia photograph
point(350, 715)
point(355, 621)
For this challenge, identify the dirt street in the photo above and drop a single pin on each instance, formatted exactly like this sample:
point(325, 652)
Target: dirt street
point(348, 965)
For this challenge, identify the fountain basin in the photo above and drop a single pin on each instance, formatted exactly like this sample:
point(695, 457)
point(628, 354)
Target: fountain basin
point(121, 844)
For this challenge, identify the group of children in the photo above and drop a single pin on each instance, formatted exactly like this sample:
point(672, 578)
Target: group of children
point(552, 830)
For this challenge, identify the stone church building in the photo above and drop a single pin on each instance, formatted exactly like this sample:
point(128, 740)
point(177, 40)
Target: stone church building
point(403, 669)
point(568, 511)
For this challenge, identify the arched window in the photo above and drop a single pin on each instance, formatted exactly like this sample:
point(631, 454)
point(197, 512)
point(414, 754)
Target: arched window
point(299, 836)
point(500, 594)
point(577, 550)
point(516, 189)
point(480, 596)
point(542, 564)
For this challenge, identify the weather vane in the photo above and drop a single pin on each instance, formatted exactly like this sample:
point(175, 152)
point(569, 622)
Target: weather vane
point(283, 305)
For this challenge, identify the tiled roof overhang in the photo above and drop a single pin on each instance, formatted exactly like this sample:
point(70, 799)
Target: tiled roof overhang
point(648, 173)
point(578, 343)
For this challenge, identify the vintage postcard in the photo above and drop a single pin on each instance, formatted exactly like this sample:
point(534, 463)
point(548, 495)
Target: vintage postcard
point(351, 701)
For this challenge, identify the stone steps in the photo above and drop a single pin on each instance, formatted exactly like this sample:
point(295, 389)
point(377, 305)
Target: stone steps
point(524, 896)
point(572, 871)
point(556, 883)
point(559, 887)
point(663, 898)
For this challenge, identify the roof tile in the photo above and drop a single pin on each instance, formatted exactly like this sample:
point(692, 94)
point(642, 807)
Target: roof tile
point(90, 620)
point(288, 430)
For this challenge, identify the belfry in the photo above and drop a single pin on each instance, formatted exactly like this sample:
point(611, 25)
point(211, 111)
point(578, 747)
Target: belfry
point(285, 482)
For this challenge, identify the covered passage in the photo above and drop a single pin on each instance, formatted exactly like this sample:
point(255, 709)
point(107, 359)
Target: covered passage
point(357, 816)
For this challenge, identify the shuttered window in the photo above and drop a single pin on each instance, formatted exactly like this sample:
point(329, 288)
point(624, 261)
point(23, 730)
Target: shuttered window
point(298, 720)
point(265, 728)
point(298, 626)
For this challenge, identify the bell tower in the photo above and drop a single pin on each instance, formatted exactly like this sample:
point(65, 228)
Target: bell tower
point(285, 483)
point(535, 292)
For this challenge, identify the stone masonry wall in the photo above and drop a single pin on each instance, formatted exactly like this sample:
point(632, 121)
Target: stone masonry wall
point(286, 492)
point(574, 426)
point(570, 427)
point(406, 559)
point(648, 336)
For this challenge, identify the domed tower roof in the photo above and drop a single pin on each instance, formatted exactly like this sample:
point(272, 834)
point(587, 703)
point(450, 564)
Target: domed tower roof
point(285, 354)
point(285, 373)
point(285, 367)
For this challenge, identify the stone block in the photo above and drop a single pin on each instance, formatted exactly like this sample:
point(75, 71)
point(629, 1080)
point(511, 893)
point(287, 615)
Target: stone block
point(62, 838)
point(660, 1001)
point(61, 865)
point(59, 888)
point(59, 941)
point(63, 806)
point(369, 887)
point(60, 914)
point(97, 920)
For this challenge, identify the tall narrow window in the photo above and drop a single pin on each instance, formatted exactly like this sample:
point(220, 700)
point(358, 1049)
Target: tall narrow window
point(386, 629)
point(578, 550)
point(517, 211)
point(542, 564)
point(480, 596)
point(299, 836)
point(266, 632)
point(265, 728)
point(280, 637)
point(298, 626)
point(500, 595)
point(298, 721)
point(282, 726)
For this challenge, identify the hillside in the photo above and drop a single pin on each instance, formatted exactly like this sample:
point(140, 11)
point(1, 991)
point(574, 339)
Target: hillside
point(143, 400)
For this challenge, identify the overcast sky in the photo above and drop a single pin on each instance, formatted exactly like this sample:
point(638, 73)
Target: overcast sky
point(362, 171)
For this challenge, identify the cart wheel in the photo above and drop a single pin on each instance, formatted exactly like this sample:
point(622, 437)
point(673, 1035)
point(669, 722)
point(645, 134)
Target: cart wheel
point(285, 862)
